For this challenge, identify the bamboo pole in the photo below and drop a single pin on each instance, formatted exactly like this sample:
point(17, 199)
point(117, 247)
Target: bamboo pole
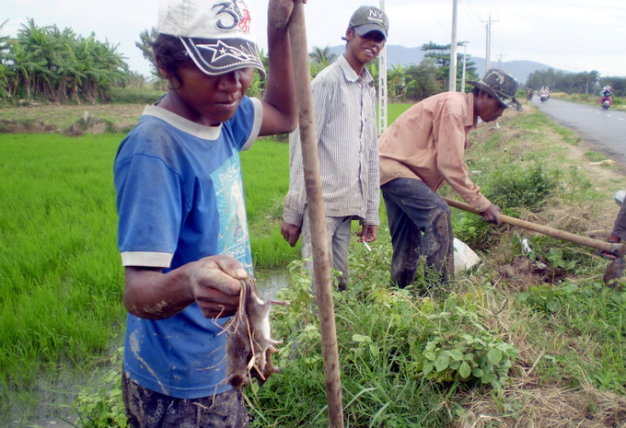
point(317, 215)
point(615, 248)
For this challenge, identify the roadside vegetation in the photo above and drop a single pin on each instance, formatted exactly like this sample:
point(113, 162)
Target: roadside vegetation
point(619, 103)
point(586, 82)
point(528, 338)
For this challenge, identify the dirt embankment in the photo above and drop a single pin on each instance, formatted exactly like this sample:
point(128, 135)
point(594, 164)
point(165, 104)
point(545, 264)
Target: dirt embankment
point(69, 119)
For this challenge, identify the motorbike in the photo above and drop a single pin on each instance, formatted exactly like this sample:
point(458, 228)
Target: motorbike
point(544, 97)
point(606, 102)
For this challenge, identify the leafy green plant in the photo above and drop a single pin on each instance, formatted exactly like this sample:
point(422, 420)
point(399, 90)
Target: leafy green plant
point(394, 345)
point(461, 349)
point(472, 229)
point(103, 407)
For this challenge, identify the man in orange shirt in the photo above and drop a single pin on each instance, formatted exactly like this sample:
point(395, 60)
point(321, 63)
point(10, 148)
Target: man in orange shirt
point(423, 148)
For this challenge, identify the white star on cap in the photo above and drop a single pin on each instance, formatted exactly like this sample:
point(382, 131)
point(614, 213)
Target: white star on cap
point(221, 49)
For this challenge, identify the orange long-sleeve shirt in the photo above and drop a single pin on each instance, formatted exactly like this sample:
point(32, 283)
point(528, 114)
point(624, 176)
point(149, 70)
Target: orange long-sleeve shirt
point(428, 142)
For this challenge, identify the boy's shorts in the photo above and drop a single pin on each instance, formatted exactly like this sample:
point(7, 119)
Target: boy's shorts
point(147, 409)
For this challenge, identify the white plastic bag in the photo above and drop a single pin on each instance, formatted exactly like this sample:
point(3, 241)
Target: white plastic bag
point(464, 257)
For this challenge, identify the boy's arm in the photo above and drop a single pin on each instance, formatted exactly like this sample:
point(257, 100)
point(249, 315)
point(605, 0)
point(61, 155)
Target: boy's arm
point(280, 112)
point(211, 282)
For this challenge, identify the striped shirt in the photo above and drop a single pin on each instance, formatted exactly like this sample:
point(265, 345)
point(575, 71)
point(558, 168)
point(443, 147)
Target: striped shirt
point(344, 110)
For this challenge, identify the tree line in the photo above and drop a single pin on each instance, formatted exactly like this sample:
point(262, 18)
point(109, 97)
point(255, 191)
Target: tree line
point(58, 66)
point(575, 83)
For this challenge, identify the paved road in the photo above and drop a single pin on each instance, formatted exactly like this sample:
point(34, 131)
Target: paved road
point(604, 129)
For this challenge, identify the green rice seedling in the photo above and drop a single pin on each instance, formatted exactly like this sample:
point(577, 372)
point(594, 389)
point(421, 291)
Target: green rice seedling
point(395, 110)
point(266, 182)
point(62, 279)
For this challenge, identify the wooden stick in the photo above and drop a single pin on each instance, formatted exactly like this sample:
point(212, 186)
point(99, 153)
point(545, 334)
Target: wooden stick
point(317, 215)
point(615, 248)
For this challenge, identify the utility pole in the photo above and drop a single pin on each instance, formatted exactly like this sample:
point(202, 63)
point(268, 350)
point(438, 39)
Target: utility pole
point(452, 73)
point(382, 84)
point(488, 52)
point(464, 44)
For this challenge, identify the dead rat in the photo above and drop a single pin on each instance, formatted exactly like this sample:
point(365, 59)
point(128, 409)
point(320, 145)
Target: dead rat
point(250, 345)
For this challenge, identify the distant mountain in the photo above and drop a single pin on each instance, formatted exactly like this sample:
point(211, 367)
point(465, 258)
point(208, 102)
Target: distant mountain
point(400, 55)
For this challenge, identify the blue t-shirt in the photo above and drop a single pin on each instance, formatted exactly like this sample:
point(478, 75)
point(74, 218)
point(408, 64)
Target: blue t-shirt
point(180, 198)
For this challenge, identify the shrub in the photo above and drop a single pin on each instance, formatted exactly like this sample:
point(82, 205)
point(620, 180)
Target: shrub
point(397, 352)
point(120, 95)
point(518, 186)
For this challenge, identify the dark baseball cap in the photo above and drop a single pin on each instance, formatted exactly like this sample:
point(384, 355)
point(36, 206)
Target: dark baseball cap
point(369, 18)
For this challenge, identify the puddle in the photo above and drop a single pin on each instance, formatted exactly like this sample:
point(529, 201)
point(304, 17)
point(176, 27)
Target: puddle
point(271, 281)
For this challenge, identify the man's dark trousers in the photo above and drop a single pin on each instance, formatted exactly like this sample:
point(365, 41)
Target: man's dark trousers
point(420, 226)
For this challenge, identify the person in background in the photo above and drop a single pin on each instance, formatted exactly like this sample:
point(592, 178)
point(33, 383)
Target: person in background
point(607, 94)
point(420, 151)
point(618, 234)
point(344, 100)
point(182, 231)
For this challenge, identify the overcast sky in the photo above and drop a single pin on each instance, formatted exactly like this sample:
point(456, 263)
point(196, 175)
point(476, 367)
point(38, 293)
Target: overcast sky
point(572, 35)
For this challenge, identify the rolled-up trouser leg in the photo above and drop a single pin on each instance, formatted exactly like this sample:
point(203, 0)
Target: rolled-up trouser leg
point(419, 224)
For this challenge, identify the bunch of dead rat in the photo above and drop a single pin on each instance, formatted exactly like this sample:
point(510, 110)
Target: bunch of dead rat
point(250, 345)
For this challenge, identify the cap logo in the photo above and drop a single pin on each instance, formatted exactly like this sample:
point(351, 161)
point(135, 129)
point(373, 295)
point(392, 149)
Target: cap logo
point(219, 50)
point(376, 15)
point(231, 14)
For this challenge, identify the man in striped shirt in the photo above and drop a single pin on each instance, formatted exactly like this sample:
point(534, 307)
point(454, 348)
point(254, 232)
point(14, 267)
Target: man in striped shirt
point(344, 100)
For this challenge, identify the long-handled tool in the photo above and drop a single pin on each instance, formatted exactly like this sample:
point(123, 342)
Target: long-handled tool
point(614, 270)
point(321, 256)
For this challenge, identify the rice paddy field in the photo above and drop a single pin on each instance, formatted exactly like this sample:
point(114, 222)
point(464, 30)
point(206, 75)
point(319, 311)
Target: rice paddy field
point(61, 278)
point(545, 339)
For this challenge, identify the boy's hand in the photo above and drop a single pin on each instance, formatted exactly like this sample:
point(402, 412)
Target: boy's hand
point(279, 13)
point(215, 285)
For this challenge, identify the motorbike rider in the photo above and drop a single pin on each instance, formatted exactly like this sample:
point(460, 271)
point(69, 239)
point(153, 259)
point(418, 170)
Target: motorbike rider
point(607, 95)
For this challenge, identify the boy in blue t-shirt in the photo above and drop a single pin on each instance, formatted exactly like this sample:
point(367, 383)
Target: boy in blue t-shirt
point(183, 233)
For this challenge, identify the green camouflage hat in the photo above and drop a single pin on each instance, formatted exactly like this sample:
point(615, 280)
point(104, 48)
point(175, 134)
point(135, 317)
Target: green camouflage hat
point(499, 85)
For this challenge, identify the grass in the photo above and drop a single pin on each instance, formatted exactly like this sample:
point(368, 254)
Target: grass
point(549, 305)
point(61, 280)
point(266, 185)
point(61, 275)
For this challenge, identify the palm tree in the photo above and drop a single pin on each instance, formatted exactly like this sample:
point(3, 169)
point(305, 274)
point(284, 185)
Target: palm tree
point(57, 65)
point(320, 59)
point(146, 38)
point(322, 56)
